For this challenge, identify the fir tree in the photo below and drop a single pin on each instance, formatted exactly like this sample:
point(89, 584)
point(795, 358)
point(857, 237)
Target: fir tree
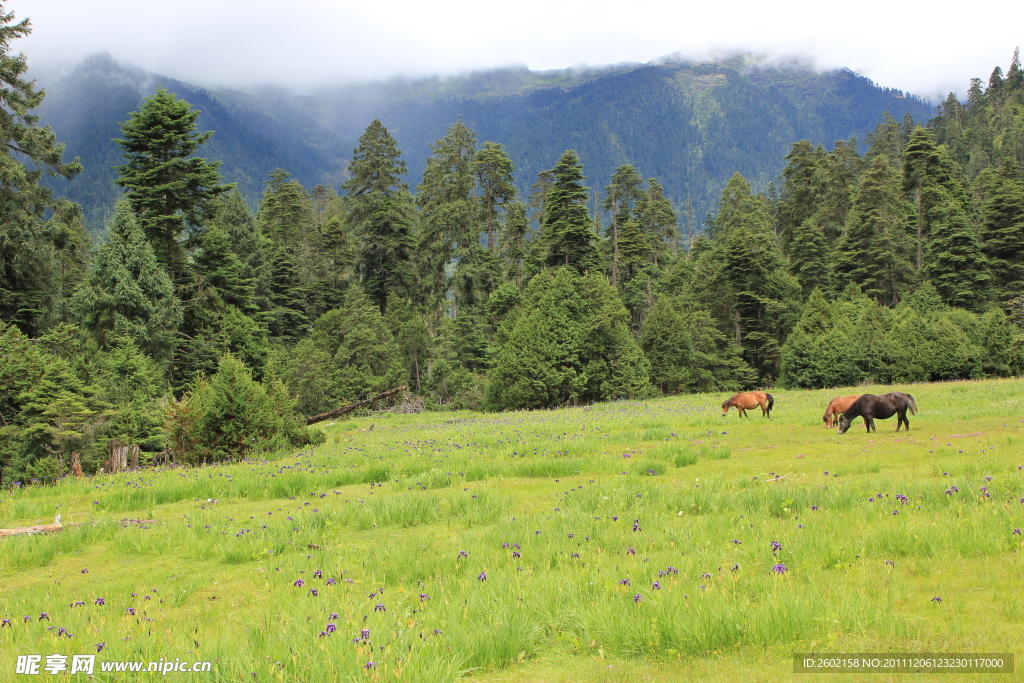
point(380, 210)
point(565, 224)
point(876, 250)
point(809, 256)
point(620, 198)
point(169, 189)
point(286, 212)
point(1002, 226)
point(493, 170)
point(126, 292)
point(955, 264)
point(26, 246)
point(659, 221)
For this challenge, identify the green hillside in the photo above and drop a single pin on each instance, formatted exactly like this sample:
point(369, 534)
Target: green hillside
point(652, 541)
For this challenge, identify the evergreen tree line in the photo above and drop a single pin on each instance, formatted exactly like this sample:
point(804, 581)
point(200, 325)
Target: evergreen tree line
point(203, 331)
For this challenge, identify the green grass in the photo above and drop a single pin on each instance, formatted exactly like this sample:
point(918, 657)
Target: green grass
point(514, 546)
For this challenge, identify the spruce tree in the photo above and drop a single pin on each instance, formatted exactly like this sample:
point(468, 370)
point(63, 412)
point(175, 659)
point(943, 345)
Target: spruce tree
point(1002, 226)
point(170, 190)
point(875, 253)
point(286, 212)
point(659, 220)
point(26, 246)
point(380, 211)
point(620, 198)
point(802, 187)
point(493, 170)
point(127, 293)
point(565, 223)
point(809, 256)
point(449, 215)
point(956, 265)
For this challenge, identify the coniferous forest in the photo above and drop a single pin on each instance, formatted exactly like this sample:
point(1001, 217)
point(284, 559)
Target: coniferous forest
point(202, 331)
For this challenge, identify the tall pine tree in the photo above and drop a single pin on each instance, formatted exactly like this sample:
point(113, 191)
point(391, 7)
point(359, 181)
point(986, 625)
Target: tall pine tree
point(380, 211)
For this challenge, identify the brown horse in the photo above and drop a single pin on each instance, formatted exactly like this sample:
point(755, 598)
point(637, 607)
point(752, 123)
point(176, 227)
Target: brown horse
point(745, 401)
point(883, 407)
point(837, 407)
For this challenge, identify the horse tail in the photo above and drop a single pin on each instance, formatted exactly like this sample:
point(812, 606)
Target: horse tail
point(911, 404)
point(771, 402)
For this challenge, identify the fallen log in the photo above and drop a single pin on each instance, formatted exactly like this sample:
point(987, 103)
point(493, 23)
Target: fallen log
point(37, 529)
point(349, 408)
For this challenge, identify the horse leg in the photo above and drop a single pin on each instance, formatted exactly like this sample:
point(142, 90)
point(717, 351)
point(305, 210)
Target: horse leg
point(869, 424)
point(901, 417)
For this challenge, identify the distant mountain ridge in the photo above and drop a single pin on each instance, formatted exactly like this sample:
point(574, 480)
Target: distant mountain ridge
point(691, 125)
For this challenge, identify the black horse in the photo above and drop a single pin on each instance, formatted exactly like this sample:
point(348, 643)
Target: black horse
point(870, 406)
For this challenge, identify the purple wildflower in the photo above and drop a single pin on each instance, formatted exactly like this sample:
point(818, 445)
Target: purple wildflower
point(365, 634)
point(379, 607)
point(1016, 531)
point(369, 665)
point(331, 628)
point(637, 597)
point(630, 551)
point(424, 597)
point(313, 591)
point(331, 582)
point(463, 553)
point(85, 571)
point(100, 646)
point(299, 583)
point(100, 601)
point(130, 611)
point(625, 582)
point(780, 569)
point(44, 615)
point(483, 576)
point(656, 586)
point(317, 574)
point(936, 599)
point(5, 622)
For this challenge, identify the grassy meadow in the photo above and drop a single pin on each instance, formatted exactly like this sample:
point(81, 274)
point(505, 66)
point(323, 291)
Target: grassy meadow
point(628, 541)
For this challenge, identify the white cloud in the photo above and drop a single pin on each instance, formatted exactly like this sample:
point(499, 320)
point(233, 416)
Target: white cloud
point(309, 42)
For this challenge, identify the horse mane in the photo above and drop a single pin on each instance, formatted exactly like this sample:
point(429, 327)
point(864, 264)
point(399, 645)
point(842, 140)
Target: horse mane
point(828, 410)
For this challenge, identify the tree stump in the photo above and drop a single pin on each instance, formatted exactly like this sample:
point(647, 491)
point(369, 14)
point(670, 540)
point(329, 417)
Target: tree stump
point(76, 465)
point(118, 455)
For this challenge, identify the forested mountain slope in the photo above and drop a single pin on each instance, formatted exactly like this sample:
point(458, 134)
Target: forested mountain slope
point(690, 125)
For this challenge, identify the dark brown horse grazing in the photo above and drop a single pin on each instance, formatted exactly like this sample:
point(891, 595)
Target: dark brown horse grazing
point(745, 401)
point(883, 407)
point(837, 407)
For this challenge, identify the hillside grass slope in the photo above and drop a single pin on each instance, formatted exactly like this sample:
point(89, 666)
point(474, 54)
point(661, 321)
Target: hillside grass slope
point(653, 541)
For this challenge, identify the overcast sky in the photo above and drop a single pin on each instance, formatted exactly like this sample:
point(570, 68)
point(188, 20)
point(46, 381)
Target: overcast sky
point(925, 49)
